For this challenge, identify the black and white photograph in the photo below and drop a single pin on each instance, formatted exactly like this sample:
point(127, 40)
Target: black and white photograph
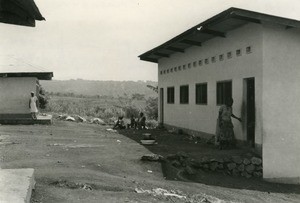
point(145, 101)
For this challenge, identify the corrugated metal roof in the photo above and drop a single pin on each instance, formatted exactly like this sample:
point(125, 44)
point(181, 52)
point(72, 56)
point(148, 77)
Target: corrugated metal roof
point(15, 67)
point(217, 26)
point(19, 12)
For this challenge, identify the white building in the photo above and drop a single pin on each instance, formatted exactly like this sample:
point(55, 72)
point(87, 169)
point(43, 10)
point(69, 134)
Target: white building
point(253, 58)
point(15, 89)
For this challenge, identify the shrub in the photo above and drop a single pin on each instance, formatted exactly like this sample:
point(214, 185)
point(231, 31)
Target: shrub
point(131, 111)
point(151, 124)
point(151, 109)
point(43, 98)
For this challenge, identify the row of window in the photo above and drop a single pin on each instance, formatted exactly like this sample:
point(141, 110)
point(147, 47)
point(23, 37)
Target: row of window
point(224, 90)
point(206, 61)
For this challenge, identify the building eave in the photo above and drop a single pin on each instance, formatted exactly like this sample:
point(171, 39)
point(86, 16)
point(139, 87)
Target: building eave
point(19, 12)
point(216, 26)
point(38, 75)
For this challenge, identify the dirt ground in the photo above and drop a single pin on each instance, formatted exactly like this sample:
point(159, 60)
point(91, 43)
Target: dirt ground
point(78, 162)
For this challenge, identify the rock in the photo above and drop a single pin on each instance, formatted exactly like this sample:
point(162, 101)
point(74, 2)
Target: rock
point(176, 163)
point(62, 117)
point(70, 118)
point(231, 166)
point(241, 167)
point(258, 168)
point(196, 164)
point(221, 166)
point(204, 160)
point(81, 119)
point(248, 175)
point(246, 161)
point(220, 160)
point(256, 161)
point(235, 172)
point(257, 174)
point(172, 157)
point(206, 166)
point(190, 171)
point(213, 166)
point(182, 154)
point(245, 174)
point(184, 162)
point(152, 157)
point(98, 121)
point(237, 159)
point(226, 160)
point(250, 168)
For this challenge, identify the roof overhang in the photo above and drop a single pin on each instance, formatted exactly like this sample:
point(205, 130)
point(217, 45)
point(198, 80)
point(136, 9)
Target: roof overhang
point(217, 26)
point(19, 12)
point(38, 75)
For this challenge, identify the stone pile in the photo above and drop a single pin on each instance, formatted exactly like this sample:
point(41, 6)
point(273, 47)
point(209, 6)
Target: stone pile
point(153, 157)
point(79, 119)
point(235, 165)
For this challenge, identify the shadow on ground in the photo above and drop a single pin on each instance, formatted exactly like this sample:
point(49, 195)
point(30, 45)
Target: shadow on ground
point(172, 143)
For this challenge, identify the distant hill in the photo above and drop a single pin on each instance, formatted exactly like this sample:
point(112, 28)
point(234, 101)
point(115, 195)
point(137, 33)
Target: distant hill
point(109, 88)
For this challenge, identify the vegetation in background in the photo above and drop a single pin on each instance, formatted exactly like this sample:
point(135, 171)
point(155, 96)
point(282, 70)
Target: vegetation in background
point(106, 107)
point(151, 108)
point(43, 98)
point(101, 88)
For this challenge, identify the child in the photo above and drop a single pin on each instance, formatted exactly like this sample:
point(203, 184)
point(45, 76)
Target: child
point(141, 124)
point(120, 123)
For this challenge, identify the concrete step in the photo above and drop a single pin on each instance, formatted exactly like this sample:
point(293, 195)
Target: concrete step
point(16, 185)
point(45, 120)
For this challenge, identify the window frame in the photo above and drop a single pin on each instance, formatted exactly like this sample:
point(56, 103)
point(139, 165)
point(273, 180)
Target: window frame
point(200, 62)
point(238, 52)
point(184, 99)
point(195, 64)
point(213, 59)
point(171, 95)
point(206, 61)
point(248, 49)
point(221, 101)
point(197, 102)
point(229, 55)
point(221, 57)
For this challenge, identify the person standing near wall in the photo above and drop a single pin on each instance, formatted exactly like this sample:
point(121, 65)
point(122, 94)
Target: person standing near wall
point(225, 134)
point(33, 105)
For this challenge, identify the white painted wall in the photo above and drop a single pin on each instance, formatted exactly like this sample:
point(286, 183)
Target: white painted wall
point(15, 94)
point(203, 117)
point(281, 111)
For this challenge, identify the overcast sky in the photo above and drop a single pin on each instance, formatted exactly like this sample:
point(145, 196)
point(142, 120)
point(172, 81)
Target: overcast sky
point(101, 39)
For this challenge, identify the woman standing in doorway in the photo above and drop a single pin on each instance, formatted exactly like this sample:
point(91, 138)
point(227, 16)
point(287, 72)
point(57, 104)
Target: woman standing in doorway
point(225, 134)
point(33, 105)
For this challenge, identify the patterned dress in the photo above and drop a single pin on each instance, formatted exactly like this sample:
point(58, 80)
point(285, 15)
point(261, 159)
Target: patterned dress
point(226, 127)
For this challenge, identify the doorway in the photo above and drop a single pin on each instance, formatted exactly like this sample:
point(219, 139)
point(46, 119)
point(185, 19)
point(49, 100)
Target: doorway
point(250, 111)
point(161, 100)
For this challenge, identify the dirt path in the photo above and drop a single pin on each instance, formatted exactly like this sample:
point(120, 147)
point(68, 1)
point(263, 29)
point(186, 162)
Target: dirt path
point(77, 162)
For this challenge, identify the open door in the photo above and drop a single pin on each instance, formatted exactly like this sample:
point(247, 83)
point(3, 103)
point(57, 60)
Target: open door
point(161, 100)
point(250, 111)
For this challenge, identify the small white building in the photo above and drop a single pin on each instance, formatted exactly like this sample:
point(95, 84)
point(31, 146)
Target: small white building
point(253, 58)
point(15, 89)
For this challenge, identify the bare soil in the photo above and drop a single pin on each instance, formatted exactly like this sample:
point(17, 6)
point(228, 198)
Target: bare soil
point(78, 162)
